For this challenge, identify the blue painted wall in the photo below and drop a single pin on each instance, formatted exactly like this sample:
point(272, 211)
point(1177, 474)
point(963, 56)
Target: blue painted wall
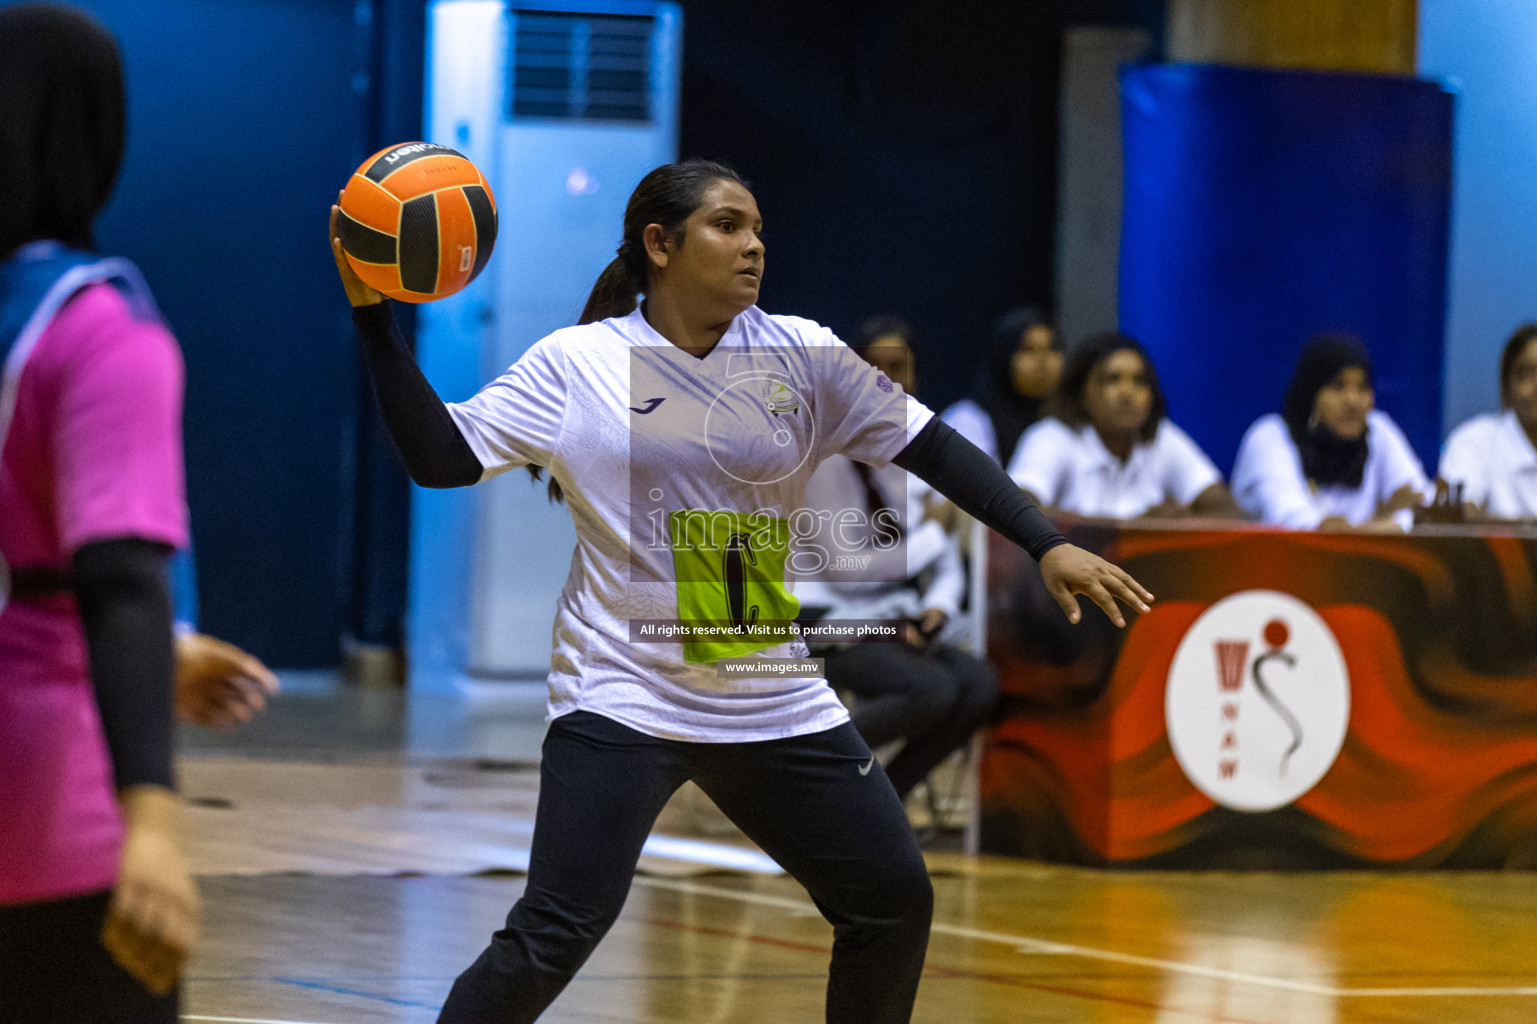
point(1487, 51)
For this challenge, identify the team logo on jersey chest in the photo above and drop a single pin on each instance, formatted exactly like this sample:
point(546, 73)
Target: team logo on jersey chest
point(749, 446)
point(778, 395)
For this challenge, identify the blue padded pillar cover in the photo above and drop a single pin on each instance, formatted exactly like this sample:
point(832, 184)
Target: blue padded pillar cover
point(1262, 206)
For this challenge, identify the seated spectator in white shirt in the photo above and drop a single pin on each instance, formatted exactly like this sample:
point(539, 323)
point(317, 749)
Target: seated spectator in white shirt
point(918, 689)
point(1024, 364)
point(1109, 449)
point(1491, 458)
point(1330, 461)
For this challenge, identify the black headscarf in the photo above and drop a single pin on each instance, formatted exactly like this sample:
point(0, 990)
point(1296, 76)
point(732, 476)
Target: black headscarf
point(1011, 412)
point(1327, 458)
point(62, 123)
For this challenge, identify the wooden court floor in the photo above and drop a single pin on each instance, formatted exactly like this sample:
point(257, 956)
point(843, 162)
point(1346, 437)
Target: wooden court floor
point(1011, 942)
point(298, 933)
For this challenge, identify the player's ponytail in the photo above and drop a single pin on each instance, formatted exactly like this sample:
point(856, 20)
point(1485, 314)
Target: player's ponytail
point(665, 196)
point(613, 294)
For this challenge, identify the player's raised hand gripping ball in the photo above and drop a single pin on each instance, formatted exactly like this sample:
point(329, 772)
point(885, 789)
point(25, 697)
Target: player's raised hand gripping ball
point(417, 222)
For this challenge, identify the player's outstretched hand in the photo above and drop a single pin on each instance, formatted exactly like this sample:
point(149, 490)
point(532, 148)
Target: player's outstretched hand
point(218, 684)
point(1070, 570)
point(358, 293)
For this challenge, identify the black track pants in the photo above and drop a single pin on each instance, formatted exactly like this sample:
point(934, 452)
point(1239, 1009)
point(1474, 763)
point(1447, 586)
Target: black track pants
point(841, 832)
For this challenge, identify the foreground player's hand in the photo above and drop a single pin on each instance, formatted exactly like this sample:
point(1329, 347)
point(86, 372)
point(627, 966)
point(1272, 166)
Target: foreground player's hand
point(358, 293)
point(1070, 570)
point(218, 684)
point(152, 919)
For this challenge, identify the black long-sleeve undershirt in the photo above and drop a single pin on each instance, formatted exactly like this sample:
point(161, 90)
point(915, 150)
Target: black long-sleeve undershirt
point(124, 596)
point(426, 438)
point(962, 472)
point(436, 454)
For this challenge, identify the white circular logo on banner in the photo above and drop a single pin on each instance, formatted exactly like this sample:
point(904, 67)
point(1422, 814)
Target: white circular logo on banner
point(1258, 700)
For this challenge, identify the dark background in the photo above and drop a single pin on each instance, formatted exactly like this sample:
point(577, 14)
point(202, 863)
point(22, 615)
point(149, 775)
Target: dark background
point(903, 154)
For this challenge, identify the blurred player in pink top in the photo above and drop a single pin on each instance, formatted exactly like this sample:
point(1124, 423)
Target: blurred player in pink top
point(98, 910)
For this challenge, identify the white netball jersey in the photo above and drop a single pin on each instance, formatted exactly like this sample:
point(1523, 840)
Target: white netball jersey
point(686, 478)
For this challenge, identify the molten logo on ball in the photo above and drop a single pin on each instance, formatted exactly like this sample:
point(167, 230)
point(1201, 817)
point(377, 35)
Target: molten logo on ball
point(1258, 700)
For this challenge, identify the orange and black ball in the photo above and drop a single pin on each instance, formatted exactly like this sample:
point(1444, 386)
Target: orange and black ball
point(418, 221)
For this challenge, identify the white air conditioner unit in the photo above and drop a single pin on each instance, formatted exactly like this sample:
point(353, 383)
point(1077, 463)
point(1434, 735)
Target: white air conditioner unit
point(564, 107)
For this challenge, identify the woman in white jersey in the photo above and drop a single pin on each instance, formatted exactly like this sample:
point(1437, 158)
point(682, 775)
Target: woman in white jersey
point(681, 434)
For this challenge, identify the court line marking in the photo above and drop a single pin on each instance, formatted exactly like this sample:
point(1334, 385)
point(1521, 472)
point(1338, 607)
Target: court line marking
point(323, 986)
point(701, 852)
point(1052, 985)
point(243, 1020)
point(1026, 944)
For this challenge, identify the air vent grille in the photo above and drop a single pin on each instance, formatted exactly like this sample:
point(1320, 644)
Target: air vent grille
point(582, 67)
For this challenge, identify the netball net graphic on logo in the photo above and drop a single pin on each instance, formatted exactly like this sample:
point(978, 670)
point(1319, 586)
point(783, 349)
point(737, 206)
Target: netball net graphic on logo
point(1258, 700)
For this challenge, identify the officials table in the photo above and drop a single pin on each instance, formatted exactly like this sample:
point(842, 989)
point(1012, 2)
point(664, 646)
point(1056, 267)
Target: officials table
point(1291, 700)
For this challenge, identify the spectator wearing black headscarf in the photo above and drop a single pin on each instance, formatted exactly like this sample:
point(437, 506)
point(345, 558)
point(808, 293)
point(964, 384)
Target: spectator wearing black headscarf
point(1330, 460)
point(1024, 364)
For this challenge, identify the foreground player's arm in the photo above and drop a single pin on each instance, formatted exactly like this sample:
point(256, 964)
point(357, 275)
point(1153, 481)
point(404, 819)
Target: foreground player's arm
point(961, 472)
point(125, 613)
point(429, 443)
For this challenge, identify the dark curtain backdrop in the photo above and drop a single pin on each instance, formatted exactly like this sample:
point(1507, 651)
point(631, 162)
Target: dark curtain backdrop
point(903, 153)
